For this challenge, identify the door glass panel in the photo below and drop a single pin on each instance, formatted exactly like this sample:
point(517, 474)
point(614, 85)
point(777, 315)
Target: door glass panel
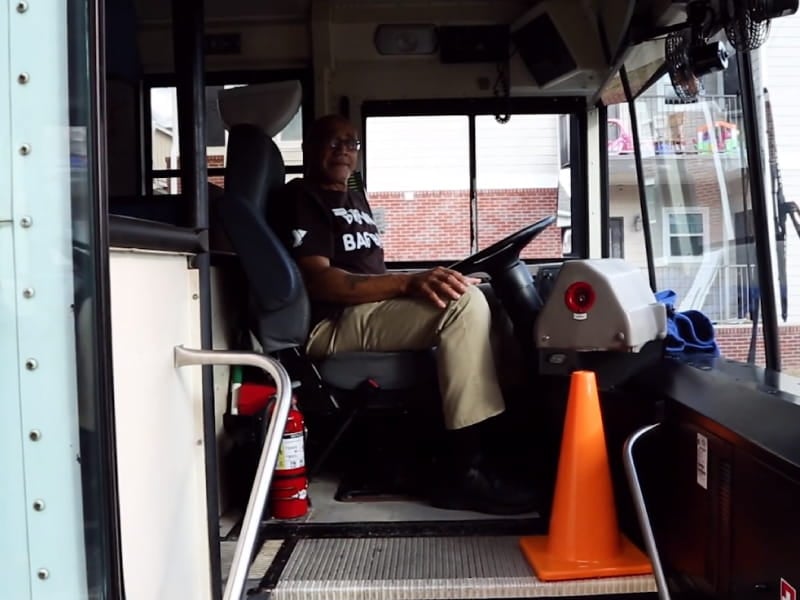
point(90, 309)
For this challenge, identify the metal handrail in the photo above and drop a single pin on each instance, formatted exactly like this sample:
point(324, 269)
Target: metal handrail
point(641, 509)
point(237, 576)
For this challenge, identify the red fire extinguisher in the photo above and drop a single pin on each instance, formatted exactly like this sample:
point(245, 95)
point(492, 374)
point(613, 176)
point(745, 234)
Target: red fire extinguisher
point(289, 489)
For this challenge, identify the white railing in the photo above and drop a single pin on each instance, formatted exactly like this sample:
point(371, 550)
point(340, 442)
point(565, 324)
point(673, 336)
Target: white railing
point(669, 127)
point(726, 299)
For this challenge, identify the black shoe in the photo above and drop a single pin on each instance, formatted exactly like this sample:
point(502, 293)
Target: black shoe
point(477, 490)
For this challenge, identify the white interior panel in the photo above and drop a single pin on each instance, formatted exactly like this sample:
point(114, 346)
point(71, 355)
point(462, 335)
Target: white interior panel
point(160, 456)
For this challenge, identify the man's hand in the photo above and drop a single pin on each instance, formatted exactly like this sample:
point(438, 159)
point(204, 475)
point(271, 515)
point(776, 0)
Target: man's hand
point(439, 285)
point(330, 284)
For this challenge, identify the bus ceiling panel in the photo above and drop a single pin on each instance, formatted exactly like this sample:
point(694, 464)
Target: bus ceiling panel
point(404, 79)
point(438, 12)
point(262, 45)
point(652, 15)
point(344, 11)
point(554, 53)
point(613, 20)
point(567, 47)
point(644, 63)
point(285, 10)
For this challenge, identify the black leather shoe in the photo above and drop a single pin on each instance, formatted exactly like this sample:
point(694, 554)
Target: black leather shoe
point(478, 490)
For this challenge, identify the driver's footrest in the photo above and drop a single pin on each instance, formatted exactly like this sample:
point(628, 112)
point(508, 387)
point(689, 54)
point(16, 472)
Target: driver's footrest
point(365, 485)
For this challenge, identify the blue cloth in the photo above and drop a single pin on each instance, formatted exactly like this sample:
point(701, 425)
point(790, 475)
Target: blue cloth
point(689, 331)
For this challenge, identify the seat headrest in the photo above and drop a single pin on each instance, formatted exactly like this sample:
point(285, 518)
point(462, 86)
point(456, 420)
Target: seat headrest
point(268, 106)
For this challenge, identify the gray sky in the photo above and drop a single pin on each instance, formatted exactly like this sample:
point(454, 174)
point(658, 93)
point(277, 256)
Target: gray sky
point(162, 105)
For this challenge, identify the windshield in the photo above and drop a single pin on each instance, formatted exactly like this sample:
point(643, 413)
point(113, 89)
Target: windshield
point(699, 210)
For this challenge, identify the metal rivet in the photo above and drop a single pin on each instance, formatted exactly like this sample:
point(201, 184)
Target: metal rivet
point(23, 78)
point(28, 292)
point(35, 435)
point(31, 364)
point(545, 338)
point(22, 7)
point(195, 296)
point(26, 222)
point(43, 574)
point(38, 505)
point(25, 149)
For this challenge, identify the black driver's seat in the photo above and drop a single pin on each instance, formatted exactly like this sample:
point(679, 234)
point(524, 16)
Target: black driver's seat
point(279, 306)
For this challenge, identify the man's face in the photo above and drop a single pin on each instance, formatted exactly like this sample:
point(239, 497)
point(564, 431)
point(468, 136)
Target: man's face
point(336, 152)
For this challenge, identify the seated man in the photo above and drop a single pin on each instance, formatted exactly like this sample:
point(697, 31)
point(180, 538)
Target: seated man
point(358, 306)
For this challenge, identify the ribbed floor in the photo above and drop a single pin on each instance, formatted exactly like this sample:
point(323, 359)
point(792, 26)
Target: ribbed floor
point(423, 568)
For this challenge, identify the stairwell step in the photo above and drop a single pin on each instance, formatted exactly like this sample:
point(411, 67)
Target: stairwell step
point(394, 568)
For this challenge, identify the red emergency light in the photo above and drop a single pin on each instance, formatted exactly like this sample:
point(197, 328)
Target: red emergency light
point(579, 297)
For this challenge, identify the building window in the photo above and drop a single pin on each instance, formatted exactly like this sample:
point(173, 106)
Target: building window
point(685, 232)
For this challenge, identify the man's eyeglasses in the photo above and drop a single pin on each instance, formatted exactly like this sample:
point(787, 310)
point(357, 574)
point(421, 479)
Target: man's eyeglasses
point(348, 144)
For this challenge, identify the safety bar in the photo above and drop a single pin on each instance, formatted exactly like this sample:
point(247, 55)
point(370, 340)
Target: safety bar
point(237, 576)
point(641, 509)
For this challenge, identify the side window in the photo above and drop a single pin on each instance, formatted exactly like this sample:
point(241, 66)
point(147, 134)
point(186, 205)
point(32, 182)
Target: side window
point(163, 177)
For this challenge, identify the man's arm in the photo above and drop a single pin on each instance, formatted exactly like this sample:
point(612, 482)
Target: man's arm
point(331, 284)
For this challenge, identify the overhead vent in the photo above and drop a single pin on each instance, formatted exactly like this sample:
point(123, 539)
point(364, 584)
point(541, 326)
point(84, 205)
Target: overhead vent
point(558, 42)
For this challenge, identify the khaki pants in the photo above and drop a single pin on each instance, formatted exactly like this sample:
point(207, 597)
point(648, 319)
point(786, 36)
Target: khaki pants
point(466, 367)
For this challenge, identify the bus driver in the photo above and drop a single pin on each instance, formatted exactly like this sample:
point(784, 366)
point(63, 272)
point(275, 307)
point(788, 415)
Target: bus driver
point(358, 306)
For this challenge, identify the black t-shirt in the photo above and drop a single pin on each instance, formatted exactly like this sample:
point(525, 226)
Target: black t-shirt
point(313, 221)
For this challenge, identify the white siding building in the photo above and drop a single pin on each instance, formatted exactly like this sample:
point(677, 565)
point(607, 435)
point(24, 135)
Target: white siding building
point(781, 75)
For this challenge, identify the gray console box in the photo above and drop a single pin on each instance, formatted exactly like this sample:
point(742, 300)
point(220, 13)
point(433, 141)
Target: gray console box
point(624, 317)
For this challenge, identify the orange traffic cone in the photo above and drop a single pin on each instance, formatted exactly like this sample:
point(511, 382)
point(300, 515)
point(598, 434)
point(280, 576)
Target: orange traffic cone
point(584, 540)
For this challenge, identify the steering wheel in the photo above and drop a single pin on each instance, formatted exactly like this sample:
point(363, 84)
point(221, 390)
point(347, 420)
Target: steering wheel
point(504, 253)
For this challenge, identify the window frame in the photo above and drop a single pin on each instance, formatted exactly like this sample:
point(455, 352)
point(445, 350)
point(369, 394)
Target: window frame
point(214, 78)
point(574, 107)
point(667, 235)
